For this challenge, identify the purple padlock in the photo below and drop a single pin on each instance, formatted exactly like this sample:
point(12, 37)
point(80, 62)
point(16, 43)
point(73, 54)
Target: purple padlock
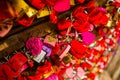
point(47, 49)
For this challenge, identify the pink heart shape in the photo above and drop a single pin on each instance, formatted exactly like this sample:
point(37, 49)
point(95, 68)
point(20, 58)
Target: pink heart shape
point(80, 72)
point(61, 5)
point(69, 72)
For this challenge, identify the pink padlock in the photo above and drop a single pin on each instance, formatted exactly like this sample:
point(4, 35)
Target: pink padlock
point(69, 72)
point(88, 37)
point(64, 51)
point(50, 41)
point(80, 72)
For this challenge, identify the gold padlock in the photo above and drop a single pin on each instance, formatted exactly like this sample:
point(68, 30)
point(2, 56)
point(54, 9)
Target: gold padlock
point(48, 74)
point(56, 69)
point(110, 24)
point(67, 59)
point(44, 12)
point(3, 46)
point(22, 7)
point(109, 8)
point(116, 16)
point(100, 2)
point(72, 2)
point(51, 39)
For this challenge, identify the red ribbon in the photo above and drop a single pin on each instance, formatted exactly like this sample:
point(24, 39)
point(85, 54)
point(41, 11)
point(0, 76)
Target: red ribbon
point(63, 26)
point(81, 23)
point(78, 49)
point(98, 17)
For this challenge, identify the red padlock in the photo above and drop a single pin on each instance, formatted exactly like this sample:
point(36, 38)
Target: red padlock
point(38, 4)
point(17, 61)
point(2, 74)
point(13, 67)
point(63, 26)
point(25, 21)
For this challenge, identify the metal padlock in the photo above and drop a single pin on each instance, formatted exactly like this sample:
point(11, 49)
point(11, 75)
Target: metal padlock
point(67, 59)
point(64, 51)
point(40, 57)
point(44, 12)
point(116, 16)
point(72, 2)
point(18, 62)
point(3, 46)
point(22, 7)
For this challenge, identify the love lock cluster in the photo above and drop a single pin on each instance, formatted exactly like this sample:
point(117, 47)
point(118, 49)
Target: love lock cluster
point(80, 50)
